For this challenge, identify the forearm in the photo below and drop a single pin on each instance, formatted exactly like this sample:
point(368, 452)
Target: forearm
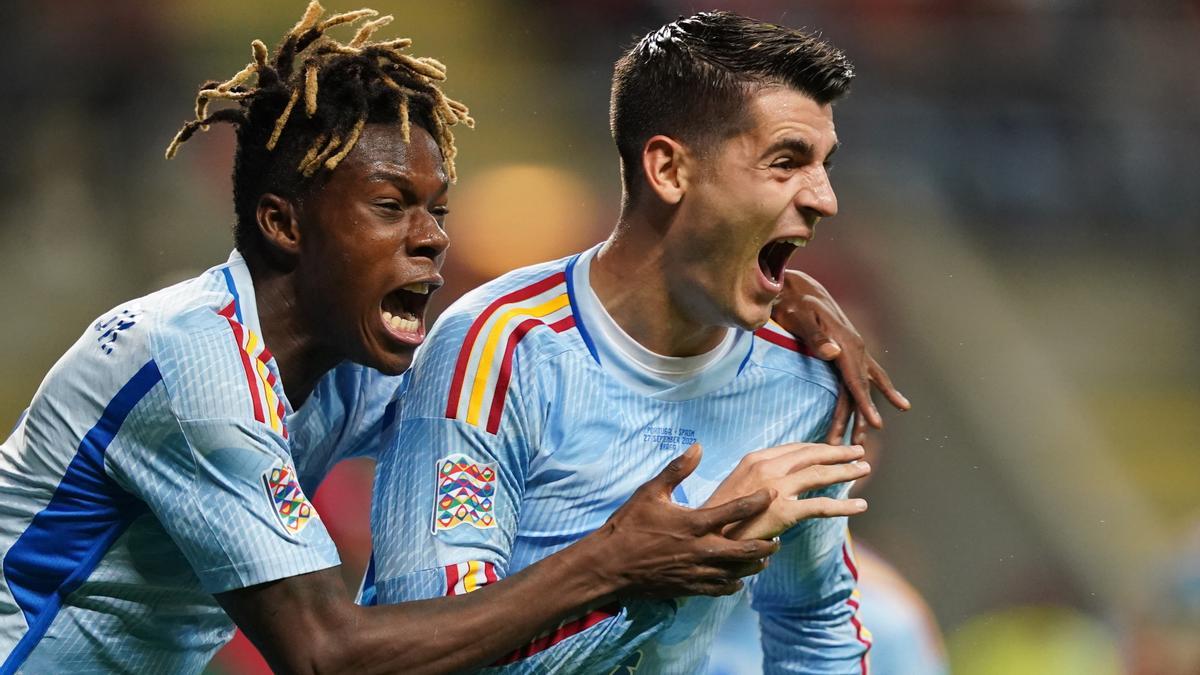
point(474, 630)
point(427, 636)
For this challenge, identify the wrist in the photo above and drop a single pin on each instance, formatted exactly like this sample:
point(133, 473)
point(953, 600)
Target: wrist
point(587, 570)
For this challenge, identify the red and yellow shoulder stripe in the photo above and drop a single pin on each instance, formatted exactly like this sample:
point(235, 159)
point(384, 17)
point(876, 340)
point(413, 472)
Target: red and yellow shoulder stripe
point(484, 365)
point(778, 336)
point(260, 381)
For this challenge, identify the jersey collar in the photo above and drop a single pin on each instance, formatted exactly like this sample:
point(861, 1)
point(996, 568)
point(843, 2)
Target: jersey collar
point(650, 374)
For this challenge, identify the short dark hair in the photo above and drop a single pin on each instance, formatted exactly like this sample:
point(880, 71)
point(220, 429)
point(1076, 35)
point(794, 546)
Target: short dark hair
point(289, 138)
point(690, 79)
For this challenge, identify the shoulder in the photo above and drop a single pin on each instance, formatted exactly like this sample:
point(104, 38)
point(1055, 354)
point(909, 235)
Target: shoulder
point(782, 355)
point(213, 365)
point(128, 336)
point(471, 356)
point(538, 292)
point(120, 356)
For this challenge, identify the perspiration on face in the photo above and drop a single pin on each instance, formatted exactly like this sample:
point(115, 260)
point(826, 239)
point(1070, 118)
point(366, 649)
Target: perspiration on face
point(766, 185)
point(373, 227)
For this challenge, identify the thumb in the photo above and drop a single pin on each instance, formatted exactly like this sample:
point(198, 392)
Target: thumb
point(823, 346)
point(681, 467)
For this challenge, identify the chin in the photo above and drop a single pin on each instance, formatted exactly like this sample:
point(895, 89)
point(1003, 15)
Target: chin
point(752, 318)
point(390, 363)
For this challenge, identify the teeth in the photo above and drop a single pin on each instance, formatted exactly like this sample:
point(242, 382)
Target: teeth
point(403, 325)
point(798, 242)
point(420, 288)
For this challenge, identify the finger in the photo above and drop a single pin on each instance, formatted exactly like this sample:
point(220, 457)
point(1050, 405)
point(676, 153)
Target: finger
point(853, 365)
point(730, 570)
point(731, 552)
point(805, 323)
point(715, 518)
point(855, 376)
point(716, 588)
point(824, 507)
point(821, 476)
point(884, 384)
point(841, 417)
point(811, 454)
point(681, 467)
point(859, 436)
point(821, 345)
point(774, 452)
point(813, 334)
point(708, 573)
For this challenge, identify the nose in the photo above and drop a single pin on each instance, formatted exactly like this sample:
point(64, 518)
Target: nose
point(427, 239)
point(816, 198)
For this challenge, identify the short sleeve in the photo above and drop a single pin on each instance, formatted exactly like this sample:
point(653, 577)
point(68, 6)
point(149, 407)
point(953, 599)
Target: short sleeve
point(222, 481)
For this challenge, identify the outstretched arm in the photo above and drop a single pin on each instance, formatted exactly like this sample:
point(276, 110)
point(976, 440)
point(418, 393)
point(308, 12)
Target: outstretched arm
point(649, 547)
point(809, 312)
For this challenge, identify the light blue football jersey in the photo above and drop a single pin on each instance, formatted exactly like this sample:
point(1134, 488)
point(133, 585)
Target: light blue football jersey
point(158, 463)
point(529, 419)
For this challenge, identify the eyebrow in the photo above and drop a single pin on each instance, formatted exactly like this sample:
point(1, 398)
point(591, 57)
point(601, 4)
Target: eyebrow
point(402, 180)
point(798, 146)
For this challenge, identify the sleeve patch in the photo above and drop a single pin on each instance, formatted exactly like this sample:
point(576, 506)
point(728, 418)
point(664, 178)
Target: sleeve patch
point(465, 493)
point(287, 499)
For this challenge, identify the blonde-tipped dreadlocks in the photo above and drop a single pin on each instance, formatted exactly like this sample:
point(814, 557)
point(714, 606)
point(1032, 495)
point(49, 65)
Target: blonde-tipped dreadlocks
point(355, 81)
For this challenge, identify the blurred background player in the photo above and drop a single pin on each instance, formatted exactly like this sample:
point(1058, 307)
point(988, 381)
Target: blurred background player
point(541, 399)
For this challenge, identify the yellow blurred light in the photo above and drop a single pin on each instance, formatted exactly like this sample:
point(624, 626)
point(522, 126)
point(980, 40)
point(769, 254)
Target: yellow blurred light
point(516, 215)
point(1034, 640)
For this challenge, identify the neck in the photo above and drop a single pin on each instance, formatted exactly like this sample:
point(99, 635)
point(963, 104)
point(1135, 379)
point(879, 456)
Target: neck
point(299, 357)
point(647, 309)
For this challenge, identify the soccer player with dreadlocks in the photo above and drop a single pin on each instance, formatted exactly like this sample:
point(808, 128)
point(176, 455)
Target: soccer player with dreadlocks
point(155, 487)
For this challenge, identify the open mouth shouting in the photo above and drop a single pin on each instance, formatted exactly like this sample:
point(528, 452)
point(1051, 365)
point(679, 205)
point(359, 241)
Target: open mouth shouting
point(773, 259)
point(403, 311)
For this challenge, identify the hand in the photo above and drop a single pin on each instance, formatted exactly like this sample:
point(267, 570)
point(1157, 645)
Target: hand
point(654, 548)
point(790, 471)
point(809, 312)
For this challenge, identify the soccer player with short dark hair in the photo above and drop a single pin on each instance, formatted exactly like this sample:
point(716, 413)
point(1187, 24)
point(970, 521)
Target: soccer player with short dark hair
point(542, 399)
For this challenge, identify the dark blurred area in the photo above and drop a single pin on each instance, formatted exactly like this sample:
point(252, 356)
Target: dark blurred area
point(1018, 238)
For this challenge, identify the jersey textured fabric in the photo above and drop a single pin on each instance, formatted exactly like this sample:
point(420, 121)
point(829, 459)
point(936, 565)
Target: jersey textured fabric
point(523, 429)
point(160, 462)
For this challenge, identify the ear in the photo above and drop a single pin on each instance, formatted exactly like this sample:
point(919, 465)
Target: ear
point(667, 166)
point(278, 223)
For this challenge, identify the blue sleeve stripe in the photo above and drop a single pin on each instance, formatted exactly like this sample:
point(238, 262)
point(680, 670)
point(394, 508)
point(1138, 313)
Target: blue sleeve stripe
point(237, 299)
point(367, 596)
point(583, 332)
point(67, 539)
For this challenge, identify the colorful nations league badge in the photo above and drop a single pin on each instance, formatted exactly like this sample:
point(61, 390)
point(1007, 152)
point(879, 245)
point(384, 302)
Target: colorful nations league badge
point(290, 504)
point(465, 494)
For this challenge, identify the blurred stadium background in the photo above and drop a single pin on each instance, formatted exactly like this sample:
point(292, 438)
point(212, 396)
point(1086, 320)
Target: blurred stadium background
point(1019, 237)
